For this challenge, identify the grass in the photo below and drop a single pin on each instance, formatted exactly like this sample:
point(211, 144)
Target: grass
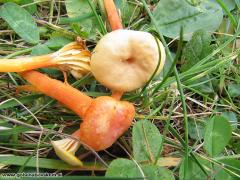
point(178, 103)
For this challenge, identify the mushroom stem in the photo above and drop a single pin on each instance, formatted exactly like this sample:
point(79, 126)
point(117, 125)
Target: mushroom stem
point(26, 63)
point(73, 57)
point(65, 94)
point(117, 94)
point(113, 17)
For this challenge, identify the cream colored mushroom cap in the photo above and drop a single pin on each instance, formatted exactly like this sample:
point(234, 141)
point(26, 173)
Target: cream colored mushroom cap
point(124, 60)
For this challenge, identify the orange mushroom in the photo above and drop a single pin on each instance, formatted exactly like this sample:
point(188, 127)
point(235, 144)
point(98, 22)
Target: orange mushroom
point(105, 119)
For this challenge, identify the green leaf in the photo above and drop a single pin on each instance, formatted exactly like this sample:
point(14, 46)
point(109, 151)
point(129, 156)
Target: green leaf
point(123, 168)
point(196, 129)
point(30, 8)
point(229, 3)
point(223, 175)
point(77, 8)
point(14, 1)
point(20, 129)
point(194, 171)
point(75, 177)
point(194, 2)
point(196, 49)
point(171, 15)
point(4, 125)
point(23, 100)
point(234, 90)
point(153, 172)
point(129, 11)
point(40, 49)
point(146, 141)
point(232, 118)
point(47, 163)
point(231, 164)
point(76, 19)
point(56, 43)
point(127, 168)
point(203, 84)
point(20, 21)
point(217, 135)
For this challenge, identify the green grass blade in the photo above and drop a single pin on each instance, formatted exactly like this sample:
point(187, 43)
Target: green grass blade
point(48, 163)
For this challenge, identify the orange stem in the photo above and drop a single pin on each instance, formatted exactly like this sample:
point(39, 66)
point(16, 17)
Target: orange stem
point(65, 94)
point(113, 17)
point(25, 64)
point(117, 95)
point(76, 134)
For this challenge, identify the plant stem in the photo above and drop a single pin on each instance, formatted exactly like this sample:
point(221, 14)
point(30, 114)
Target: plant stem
point(18, 53)
point(51, 11)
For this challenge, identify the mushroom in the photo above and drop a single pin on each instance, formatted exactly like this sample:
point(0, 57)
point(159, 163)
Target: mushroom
point(105, 121)
point(124, 60)
point(73, 57)
point(105, 118)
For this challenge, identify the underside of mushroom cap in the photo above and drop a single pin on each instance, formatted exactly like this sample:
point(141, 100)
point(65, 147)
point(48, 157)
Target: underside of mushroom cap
point(73, 57)
point(65, 149)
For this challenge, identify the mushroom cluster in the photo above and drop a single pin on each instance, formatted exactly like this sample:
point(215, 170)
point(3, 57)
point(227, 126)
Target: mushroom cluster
point(123, 60)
